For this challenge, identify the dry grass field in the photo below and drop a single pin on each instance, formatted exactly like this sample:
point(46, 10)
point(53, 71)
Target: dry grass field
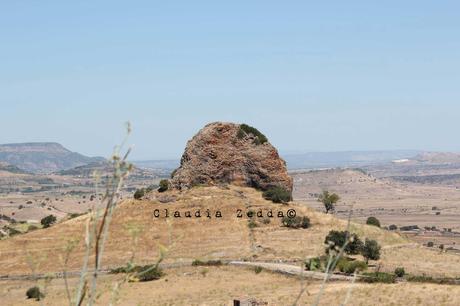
point(390, 201)
point(220, 285)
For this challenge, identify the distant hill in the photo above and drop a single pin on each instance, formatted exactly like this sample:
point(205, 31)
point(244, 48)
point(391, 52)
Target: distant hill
point(165, 164)
point(87, 170)
point(42, 157)
point(438, 158)
point(311, 160)
point(11, 168)
point(103, 168)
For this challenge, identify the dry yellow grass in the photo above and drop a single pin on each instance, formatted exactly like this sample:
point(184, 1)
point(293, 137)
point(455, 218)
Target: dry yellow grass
point(225, 238)
point(420, 260)
point(220, 285)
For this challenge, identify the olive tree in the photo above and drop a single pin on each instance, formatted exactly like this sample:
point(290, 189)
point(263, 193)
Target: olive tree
point(329, 200)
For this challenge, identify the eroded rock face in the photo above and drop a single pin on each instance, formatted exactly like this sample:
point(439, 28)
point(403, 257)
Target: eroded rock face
point(225, 153)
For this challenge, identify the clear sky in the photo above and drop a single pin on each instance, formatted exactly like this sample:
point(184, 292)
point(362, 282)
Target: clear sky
point(311, 75)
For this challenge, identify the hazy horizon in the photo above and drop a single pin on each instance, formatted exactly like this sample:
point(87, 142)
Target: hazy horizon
point(313, 77)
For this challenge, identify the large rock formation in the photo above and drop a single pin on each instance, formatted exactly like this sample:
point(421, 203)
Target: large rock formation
point(231, 153)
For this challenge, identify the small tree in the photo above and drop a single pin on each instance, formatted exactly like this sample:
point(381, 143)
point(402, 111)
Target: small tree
point(329, 200)
point(48, 221)
point(164, 185)
point(371, 250)
point(399, 272)
point(139, 193)
point(373, 221)
point(34, 293)
point(393, 227)
point(337, 239)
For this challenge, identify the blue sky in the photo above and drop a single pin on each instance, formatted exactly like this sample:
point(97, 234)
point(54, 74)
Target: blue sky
point(311, 75)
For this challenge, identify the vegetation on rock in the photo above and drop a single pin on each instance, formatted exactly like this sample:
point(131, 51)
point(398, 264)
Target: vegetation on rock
point(247, 129)
point(164, 185)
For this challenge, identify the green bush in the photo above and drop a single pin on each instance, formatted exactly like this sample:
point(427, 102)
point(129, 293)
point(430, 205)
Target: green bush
point(373, 221)
point(12, 231)
point(74, 215)
point(246, 129)
point(258, 269)
point(348, 266)
point(399, 272)
point(34, 293)
point(141, 273)
point(48, 221)
point(277, 195)
point(198, 262)
point(314, 264)
point(252, 224)
point(430, 279)
point(335, 240)
point(148, 273)
point(430, 244)
point(393, 227)
point(379, 277)
point(296, 222)
point(371, 250)
point(139, 193)
point(164, 185)
point(32, 228)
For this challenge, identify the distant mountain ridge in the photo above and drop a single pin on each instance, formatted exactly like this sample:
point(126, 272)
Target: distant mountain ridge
point(42, 157)
point(345, 158)
point(312, 160)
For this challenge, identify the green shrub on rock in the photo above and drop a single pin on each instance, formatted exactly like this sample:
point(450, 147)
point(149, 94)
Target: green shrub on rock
point(164, 185)
point(139, 193)
point(247, 129)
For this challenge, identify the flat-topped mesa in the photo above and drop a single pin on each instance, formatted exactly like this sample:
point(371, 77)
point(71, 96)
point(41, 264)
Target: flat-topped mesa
point(231, 153)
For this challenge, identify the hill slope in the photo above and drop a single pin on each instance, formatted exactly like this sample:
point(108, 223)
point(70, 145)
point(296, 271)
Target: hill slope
point(228, 237)
point(42, 156)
